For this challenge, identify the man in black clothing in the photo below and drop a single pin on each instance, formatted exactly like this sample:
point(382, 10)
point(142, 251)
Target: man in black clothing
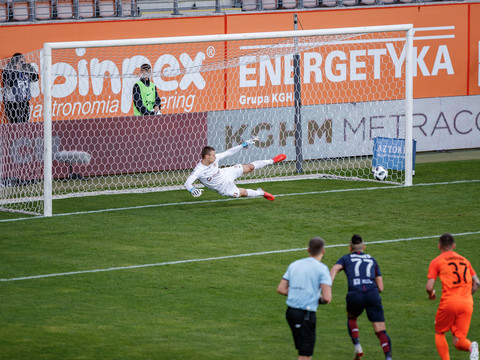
point(16, 79)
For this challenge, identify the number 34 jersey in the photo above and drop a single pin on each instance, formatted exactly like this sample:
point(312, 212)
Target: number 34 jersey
point(361, 270)
point(455, 273)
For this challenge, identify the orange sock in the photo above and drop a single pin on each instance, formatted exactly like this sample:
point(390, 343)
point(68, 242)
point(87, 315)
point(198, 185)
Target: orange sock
point(442, 346)
point(463, 345)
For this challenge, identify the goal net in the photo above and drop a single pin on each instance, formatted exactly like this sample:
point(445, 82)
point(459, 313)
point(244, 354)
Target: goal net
point(322, 97)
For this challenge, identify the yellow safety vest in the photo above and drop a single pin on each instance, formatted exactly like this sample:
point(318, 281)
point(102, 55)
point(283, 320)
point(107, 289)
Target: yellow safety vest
point(147, 94)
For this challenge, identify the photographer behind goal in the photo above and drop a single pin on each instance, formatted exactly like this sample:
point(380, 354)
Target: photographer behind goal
point(16, 79)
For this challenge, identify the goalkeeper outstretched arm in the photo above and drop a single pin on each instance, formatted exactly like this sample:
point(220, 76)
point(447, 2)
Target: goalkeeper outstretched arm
point(229, 152)
point(235, 149)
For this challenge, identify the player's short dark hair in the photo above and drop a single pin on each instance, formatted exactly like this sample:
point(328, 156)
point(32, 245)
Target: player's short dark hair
point(446, 241)
point(356, 242)
point(206, 151)
point(316, 245)
point(356, 239)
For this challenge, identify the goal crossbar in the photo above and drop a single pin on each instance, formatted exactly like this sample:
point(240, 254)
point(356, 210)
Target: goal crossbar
point(229, 37)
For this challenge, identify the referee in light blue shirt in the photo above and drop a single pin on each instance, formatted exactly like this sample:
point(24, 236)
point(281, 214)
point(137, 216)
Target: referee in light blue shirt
point(306, 284)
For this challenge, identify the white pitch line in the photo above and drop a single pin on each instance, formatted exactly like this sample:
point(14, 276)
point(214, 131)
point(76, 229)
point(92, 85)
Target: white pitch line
point(238, 199)
point(218, 258)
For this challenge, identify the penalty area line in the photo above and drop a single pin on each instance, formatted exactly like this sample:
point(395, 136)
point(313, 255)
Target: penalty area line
point(118, 268)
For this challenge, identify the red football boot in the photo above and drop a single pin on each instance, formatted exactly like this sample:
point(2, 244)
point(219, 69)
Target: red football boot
point(279, 157)
point(267, 195)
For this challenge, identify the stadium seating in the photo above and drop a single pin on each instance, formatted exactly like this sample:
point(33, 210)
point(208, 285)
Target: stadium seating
point(329, 3)
point(32, 10)
point(310, 3)
point(65, 9)
point(22, 10)
point(87, 9)
point(43, 10)
point(269, 4)
point(289, 4)
point(4, 10)
point(127, 8)
point(248, 5)
point(107, 8)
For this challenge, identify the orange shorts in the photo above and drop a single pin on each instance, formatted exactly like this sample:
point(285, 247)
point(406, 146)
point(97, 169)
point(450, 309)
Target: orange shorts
point(455, 316)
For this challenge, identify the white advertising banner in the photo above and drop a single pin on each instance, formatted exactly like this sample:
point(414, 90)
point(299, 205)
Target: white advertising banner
point(447, 123)
point(345, 130)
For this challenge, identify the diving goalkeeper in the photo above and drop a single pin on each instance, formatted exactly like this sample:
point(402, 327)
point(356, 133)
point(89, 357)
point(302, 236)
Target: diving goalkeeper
point(222, 180)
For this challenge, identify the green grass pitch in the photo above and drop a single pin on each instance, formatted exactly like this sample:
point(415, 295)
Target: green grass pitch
point(212, 265)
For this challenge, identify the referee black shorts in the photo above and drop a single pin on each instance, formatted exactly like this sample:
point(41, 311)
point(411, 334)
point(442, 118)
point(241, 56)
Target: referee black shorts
point(303, 324)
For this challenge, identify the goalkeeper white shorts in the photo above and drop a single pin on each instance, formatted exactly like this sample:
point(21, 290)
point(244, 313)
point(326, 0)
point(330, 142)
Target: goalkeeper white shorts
point(229, 188)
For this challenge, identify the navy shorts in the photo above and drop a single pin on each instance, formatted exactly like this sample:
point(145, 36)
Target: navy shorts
point(302, 323)
point(357, 301)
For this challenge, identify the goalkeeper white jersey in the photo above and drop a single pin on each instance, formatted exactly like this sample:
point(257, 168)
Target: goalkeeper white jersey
point(211, 176)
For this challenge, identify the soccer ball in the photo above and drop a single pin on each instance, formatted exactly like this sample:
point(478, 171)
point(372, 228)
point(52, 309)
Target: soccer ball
point(380, 173)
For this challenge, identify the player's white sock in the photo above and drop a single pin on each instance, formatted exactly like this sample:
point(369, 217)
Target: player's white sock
point(262, 163)
point(254, 193)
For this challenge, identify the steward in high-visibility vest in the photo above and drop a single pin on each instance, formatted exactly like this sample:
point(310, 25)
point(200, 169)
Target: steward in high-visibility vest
point(145, 97)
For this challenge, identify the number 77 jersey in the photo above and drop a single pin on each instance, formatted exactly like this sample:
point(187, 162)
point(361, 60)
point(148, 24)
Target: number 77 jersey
point(455, 273)
point(361, 270)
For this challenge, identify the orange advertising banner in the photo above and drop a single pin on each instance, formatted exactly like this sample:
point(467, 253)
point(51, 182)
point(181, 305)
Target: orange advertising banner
point(92, 83)
point(332, 70)
point(441, 37)
point(474, 64)
point(98, 82)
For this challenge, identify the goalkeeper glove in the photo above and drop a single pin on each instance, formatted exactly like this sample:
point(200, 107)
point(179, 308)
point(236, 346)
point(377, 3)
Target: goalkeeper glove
point(250, 141)
point(196, 192)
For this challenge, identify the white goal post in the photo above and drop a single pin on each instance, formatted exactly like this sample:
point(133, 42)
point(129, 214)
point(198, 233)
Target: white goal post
point(324, 97)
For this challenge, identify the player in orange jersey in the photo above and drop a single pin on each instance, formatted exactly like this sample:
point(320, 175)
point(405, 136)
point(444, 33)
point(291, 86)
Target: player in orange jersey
point(459, 283)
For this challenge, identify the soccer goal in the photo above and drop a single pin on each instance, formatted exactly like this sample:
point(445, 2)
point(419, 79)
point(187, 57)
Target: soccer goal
point(323, 97)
